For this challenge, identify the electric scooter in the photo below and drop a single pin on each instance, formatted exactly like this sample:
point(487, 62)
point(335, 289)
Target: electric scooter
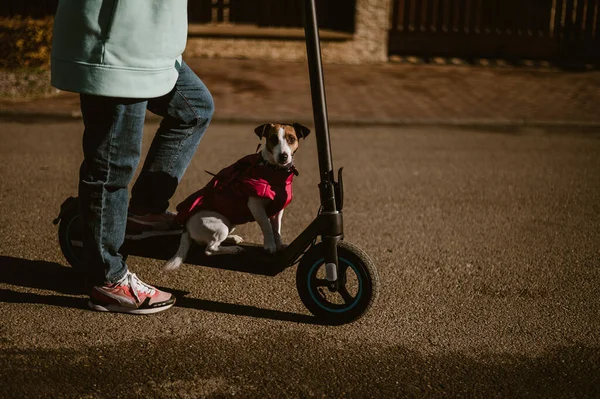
point(337, 281)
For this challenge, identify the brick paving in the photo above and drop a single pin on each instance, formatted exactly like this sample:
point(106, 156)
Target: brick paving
point(385, 93)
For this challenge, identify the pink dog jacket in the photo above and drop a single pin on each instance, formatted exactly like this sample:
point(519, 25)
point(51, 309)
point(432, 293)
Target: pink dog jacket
point(229, 190)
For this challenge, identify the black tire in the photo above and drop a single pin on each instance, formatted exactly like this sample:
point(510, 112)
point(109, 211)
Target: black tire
point(338, 307)
point(70, 238)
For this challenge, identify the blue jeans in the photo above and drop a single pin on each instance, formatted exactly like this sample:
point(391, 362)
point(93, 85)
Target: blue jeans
point(112, 143)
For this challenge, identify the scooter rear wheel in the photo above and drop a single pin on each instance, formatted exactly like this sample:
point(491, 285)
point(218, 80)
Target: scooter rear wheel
point(358, 288)
point(70, 238)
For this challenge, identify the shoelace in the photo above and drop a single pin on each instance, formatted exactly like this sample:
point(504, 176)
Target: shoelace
point(138, 285)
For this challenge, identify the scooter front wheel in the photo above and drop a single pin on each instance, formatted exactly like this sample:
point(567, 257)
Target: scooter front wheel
point(357, 289)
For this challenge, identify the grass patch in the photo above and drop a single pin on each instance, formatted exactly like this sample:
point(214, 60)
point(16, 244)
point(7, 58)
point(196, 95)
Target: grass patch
point(25, 42)
point(24, 66)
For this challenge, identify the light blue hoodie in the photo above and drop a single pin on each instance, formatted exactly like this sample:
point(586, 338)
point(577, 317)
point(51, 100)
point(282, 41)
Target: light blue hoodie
point(118, 48)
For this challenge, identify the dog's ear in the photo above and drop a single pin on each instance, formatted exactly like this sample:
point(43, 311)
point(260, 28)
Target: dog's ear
point(301, 131)
point(260, 130)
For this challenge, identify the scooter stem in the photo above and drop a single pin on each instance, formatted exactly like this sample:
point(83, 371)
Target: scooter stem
point(331, 228)
point(319, 105)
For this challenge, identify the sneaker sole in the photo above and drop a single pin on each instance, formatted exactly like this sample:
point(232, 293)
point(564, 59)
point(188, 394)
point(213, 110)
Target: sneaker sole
point(122, 309)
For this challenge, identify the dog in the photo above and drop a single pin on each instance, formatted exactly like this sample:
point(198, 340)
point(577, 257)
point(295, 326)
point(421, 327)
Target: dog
point(257, 187)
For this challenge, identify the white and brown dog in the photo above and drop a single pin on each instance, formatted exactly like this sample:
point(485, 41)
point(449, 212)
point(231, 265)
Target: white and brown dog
point(256, 188)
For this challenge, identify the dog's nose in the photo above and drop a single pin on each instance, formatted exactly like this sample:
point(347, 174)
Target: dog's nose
point(283, 157)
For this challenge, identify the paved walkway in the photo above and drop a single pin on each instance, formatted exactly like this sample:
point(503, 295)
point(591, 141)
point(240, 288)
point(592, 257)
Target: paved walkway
point(252, 90)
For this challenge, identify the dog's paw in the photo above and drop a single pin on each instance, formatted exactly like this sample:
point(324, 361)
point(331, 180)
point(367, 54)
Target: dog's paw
point(234, 238)
point(237, 250)
point(172, 264)
point(271, 248)
point(281, 246)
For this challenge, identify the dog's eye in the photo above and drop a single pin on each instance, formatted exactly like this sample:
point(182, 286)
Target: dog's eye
point(274, 140)
point(291, 139)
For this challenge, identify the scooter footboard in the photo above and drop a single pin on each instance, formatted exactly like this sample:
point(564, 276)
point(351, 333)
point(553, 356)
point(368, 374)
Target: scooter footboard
point(252, 260)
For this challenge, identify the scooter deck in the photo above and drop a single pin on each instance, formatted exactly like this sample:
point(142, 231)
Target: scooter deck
point(252, 260)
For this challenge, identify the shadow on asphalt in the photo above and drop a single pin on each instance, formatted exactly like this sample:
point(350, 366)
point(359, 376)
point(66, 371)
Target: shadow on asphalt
point(41, 275)
point(52, 276)
point(244, 310)
point(8, 296)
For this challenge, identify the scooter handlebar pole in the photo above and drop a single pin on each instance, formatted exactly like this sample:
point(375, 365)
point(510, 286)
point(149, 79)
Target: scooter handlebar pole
point(319, 105)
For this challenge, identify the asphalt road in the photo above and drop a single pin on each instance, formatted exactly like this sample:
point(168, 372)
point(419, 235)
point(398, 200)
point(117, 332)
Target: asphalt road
point(487, 243)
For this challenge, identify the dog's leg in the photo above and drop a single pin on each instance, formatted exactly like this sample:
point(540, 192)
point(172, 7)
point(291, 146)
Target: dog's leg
point(184, 246)
point(276, 225)
point(217, 249)
point(257, 208)
point(233, 238)
point(220, 234)
point(211, 228)
point(214, 228)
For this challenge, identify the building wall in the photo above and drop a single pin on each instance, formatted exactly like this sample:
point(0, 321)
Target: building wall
point(368, 44)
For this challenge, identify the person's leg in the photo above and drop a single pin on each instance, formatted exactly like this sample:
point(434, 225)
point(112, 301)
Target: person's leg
point(111, 147)
point(187, 111)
